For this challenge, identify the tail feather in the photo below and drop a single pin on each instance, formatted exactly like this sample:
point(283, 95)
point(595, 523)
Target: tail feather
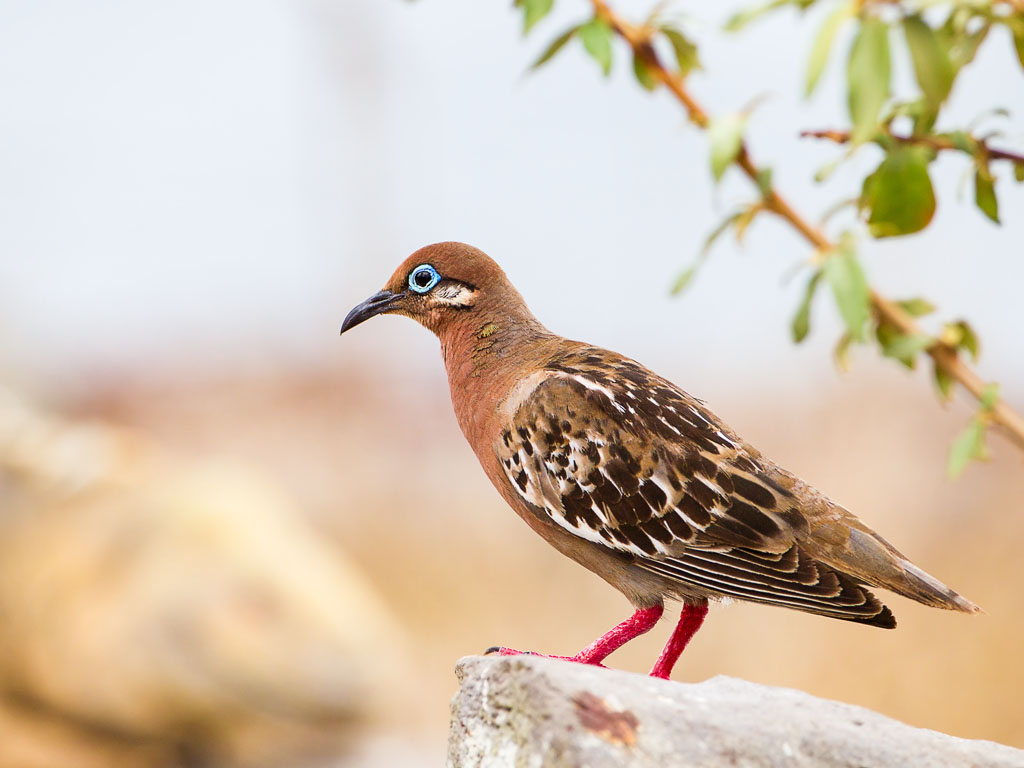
point(928, 590)
point(874, 561)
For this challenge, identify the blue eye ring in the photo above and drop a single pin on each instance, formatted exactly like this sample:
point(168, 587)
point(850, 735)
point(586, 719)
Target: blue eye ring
point(423, 278)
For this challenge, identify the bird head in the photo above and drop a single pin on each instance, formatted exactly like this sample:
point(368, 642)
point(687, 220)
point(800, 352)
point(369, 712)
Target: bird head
point(442, 285)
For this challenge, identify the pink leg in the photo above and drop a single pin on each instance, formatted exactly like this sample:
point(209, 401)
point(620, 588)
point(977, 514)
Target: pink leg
point(690, 619)
point(612, 640)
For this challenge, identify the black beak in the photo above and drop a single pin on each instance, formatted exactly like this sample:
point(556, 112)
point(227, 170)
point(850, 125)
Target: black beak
point(375, 305)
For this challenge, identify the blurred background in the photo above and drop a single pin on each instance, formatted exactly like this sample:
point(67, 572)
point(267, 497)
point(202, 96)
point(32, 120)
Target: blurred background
point(221, 540)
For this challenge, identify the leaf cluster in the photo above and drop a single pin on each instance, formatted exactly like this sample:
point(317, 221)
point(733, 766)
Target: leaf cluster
point(940, 40)
point(936, 40)
point(597, 38)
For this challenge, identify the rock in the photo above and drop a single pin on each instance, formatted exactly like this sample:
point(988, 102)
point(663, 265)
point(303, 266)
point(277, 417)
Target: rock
point(165, 610)
point(529, 712)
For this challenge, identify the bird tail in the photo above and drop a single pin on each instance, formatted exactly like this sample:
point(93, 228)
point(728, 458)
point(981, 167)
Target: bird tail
point(926, 589)
point(874, 561)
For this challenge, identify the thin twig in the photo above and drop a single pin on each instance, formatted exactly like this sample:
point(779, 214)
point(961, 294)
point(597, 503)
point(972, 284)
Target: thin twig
point(946, 358)
point(934, 142)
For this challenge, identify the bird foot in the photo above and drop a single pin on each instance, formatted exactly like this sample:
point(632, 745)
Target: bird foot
point(579, 658)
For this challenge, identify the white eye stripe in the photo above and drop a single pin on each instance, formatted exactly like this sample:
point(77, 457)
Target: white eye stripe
point(455, 294)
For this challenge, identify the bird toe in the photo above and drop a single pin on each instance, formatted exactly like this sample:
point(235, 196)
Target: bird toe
point(501, 650)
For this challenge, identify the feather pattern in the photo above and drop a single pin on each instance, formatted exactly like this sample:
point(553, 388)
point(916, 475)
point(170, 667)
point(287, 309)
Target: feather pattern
point(620, 457)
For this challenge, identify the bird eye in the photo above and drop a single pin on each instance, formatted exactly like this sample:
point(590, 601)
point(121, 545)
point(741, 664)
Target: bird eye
point(423, 278)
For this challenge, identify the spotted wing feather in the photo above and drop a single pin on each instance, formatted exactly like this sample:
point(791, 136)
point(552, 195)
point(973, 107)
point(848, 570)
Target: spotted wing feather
point(624, 459)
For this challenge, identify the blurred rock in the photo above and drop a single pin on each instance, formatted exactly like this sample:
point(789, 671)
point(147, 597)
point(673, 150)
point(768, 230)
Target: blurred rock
point(533, 711)
point(157, 611)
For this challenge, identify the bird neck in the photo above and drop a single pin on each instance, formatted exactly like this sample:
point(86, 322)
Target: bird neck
point(485, 354)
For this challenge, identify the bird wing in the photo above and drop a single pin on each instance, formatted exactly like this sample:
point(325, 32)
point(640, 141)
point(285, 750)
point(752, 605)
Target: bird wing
point(623, 458)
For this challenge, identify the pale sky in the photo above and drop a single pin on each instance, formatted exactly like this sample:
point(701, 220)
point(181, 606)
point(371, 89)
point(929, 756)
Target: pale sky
point(223, 179)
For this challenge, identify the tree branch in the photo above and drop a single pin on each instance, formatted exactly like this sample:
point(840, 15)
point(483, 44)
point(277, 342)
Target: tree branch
point(938, 143)
point(945, 357)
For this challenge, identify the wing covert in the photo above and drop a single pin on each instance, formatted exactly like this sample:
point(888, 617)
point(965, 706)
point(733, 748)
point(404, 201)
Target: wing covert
point(637, 465)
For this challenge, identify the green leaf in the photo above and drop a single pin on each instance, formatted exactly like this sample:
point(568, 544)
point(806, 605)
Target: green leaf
point(830, 167)
point(836, 208)
point(718, 231)
point(823, 45)
point(644, 74)
point(842, 352)
point(685, 278)
point(745, 219)
point(963, 50)
point(850, 288)
point(1018, 40)
point(597, 39)
point(764, 181)
point(1018, 171)
point(961, 141)
point(906, 347)
point(917, 307)
point(726, 136)
point(867, 75)
point(534, 11)
point(801, 324)
point(989, 396)
point(686, 52)
point(885, 332)
point(898, 195)
point(960, 335)
point(932, 66)
point(739, 20)
point(739, 219)
point(554, 47)
point(985, 193)
point(969, 340)
point(970, 444)
point(943, 381)
point(901, 346)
